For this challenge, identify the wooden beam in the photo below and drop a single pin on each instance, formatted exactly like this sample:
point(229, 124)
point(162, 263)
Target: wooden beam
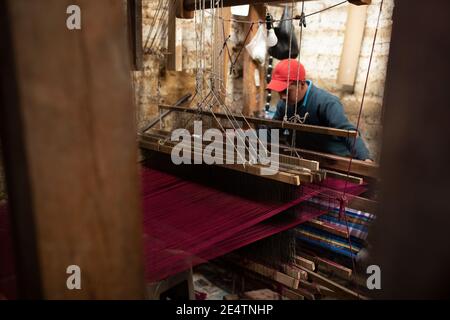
point(363, 204)
point(135, 33)
point(284, 160)
point(285, 177)
point(271, 123)
point(155, 120)
point(415, 173)
point(254, 75)
point(226, 31)
point(328, 266)
point(360, 2)
point(308, 264)
point(189, 5)
point(181, 13)
point(68, 138)
point(171, 41)
point(343, 176)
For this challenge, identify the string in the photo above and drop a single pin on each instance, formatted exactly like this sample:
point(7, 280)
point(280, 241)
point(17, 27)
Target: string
point(289, 67)
point(287, 19)
point(343, 198)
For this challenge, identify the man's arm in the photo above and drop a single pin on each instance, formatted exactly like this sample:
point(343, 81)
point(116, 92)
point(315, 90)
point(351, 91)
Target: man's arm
point(336, 118)
point(279, 113)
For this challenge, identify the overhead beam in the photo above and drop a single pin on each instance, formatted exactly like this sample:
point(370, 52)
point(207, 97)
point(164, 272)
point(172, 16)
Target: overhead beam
point(189, 5)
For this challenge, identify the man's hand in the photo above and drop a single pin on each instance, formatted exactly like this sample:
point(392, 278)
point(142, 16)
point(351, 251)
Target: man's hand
point(369, 160)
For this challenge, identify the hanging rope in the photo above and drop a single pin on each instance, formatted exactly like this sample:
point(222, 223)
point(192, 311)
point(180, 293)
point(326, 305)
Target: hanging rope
point(289, 67)
point(343, 197)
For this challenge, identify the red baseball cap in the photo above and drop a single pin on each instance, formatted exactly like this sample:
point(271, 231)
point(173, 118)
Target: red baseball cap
point(286, 70)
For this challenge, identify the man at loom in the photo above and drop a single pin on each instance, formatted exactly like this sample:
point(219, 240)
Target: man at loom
point(314, 106)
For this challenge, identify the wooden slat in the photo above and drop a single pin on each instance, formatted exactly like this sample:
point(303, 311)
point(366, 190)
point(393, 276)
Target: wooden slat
point(334, 268)
point(333, 285)
point(295, 273)
point(270, 273)
point(283, 159)
point(308, 264)
point(362, 204)
point(329, 266)
point(248, 168)
point(285, 174)
point(68, 137)
point(327, 227)
point(343, 176)
point(291, 294)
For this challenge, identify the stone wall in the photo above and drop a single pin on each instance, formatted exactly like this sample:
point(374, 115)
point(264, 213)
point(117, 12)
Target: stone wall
point(321, 51)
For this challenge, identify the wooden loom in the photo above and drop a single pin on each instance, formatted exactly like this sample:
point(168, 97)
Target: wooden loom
point(32, 176)
point(38, 173)
point(307, 167)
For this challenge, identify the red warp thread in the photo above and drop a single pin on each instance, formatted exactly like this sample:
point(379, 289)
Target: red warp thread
point(185, 223)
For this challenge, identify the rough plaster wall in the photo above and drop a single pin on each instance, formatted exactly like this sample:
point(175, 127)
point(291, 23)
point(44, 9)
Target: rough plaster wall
point(321, 50)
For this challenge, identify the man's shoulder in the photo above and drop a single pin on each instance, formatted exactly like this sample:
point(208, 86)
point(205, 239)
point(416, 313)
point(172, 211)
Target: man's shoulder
point(324, 96)
point(281, 104)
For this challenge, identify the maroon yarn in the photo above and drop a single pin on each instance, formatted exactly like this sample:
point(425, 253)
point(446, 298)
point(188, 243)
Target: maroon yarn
point(186, 223)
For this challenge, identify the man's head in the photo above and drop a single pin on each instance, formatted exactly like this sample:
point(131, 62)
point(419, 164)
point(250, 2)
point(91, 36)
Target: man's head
point(289, 80)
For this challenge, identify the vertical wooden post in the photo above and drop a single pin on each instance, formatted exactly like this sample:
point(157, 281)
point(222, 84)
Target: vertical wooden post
point(171, 41)
point(226, 31)
point(253, 95)
point(413, 224)
point(135, 33)
point(178, 51)
point(69, 144)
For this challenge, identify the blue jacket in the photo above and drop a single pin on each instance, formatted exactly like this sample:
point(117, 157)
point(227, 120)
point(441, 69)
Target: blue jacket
point(324, 110)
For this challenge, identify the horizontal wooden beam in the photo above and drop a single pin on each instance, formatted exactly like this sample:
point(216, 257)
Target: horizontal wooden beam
point(363, 204)
point(313, 159)
point(284, 160)
point(285, 177)
point(271, 123)
point(190, 5)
